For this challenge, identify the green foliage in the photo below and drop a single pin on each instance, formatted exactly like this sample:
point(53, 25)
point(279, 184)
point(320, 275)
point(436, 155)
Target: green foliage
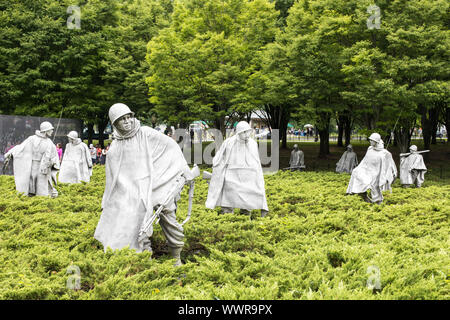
point(199, 65)
point(316, 243)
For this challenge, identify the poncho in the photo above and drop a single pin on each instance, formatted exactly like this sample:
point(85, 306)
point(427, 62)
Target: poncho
point(35, 163)
point(347, 162)
point(413, 162)
point(237, 179)
point(297, 159)
point(376, 170)
point(141, 168)
point(76, 165)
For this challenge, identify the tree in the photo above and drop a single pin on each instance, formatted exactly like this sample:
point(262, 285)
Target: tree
point(199, 66)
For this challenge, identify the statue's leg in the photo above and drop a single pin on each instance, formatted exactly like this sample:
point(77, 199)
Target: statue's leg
point(245, 212)
point(376, 195)
point(226, 210)
point(365, 197)
point(264, 213)
point(173, 231)
point(32, 189)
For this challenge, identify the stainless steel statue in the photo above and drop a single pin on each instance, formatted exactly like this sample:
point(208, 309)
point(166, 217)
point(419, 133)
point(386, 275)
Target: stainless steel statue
point(412, 167)
point(377, 171)
point(297, 160)
point(348, 161)
point(237, 179)
point(76, 165)
point(143, 167)
point(36, 163)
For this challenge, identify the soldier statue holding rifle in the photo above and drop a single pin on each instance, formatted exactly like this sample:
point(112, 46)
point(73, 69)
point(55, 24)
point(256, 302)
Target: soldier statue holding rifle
point(145, 170)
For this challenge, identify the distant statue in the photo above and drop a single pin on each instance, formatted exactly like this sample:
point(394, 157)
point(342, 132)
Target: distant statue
point(348, 161)
point(76, 164)
point(297, 161)
point(412, 167)
point(237, 179)
point(377, 171)
point(36, 163)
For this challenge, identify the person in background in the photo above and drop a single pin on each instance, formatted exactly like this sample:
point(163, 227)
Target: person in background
point(103, 158)
point(59, 150)
point(99, 154)
point(93, 153)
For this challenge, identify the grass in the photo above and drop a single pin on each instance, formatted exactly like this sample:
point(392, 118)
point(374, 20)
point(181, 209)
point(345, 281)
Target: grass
point(316, 243)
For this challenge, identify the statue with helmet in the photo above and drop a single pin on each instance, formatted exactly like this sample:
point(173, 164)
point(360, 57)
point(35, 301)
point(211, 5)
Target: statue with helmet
point(376, 172)
point(412, 167)
point(237, 179)
point(35, 163)
point(76, 165)
point(145, 171)
point(297, 160)
point(348, 161)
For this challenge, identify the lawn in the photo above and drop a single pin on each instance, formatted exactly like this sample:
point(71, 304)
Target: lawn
point(316, 243)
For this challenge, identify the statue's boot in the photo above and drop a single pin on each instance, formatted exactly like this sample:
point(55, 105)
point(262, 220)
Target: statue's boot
point(175, 253)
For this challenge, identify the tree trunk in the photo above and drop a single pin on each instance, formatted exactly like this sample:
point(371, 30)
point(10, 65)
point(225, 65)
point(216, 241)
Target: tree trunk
point(429, 119)
point(90, 127)
point(323, 127)
point(101, 128)
point(348, 130)
point(402, 136)
point(447, 121)
point(278, 117)
point(341, 126)
point(220, 124)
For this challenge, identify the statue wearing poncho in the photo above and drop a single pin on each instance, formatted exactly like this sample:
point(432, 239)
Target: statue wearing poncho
point(76, 165)
point(237, 179)
point(36, 163)
point(377, 171)
point(297, 160)
point(348, 161)
point(141, 168)
point(412, 168)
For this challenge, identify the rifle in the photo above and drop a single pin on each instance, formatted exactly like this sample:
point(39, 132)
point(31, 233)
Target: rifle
point(409, 153)
point(147, 227)
point(5, 164)
point(207, 176)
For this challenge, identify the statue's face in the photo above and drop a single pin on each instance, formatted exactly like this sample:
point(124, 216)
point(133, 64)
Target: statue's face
point(373, 143)
point(125, 123)
point(49, 133)
point(71, 140)
point(244, 136)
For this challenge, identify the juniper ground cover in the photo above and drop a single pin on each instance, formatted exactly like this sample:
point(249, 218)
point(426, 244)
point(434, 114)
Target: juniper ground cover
point(316, 243)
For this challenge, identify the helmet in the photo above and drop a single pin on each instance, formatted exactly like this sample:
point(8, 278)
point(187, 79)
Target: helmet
point(295, 146)
point(117, 110)
point(45, 126)
point(350, 147)
point(413, 148)
point(375, 137)
point(242, 126)
point(73, 135)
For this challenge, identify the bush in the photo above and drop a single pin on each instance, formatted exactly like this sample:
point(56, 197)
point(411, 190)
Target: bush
point(316, 243)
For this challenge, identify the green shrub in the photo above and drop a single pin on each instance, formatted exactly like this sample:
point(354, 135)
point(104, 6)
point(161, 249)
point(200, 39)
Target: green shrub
point(316, 243)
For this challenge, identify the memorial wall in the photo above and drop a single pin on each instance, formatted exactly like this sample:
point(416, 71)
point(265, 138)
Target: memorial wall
point(15, 129)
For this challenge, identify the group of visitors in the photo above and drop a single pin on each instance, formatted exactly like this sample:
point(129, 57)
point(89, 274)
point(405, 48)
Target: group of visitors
point(98, 154)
